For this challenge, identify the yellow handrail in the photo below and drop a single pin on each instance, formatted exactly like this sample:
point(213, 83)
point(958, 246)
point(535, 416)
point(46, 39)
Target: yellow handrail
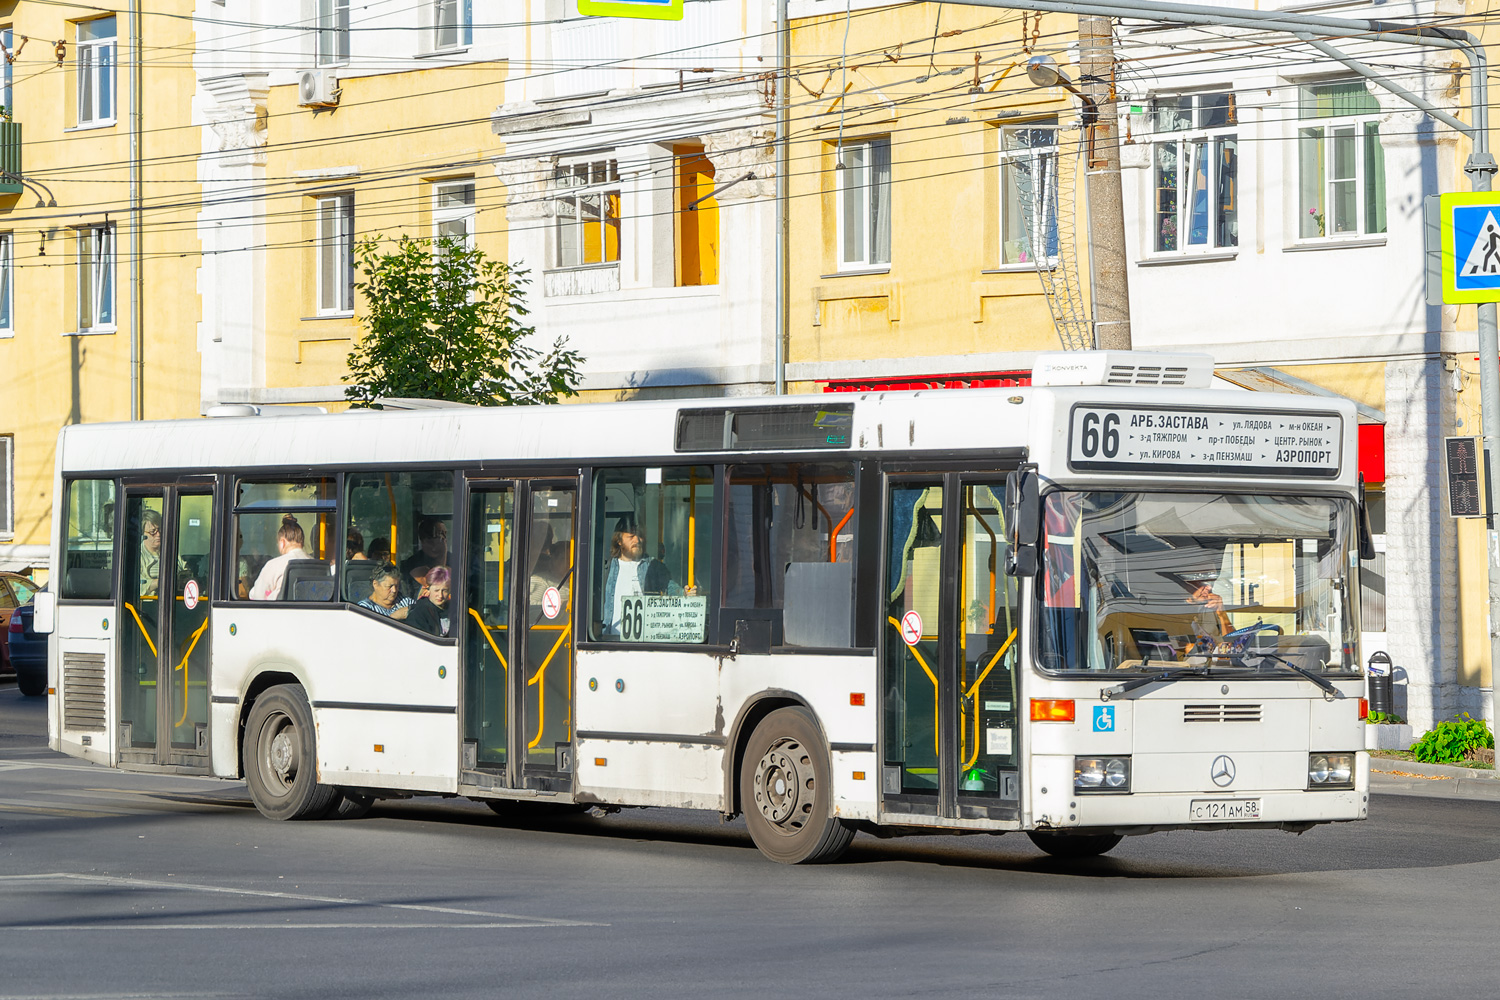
point(142, 626)
point(980, 680)
point(930, 676)
point(490, 639)
point(541, 690)
point(183, 667)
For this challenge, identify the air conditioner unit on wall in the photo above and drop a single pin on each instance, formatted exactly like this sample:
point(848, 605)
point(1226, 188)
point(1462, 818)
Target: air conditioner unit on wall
point(317, 88)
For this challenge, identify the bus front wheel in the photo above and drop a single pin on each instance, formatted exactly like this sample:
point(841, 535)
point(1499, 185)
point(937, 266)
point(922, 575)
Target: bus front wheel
point(1063, 845)
point(281, 762)
point(786, 791)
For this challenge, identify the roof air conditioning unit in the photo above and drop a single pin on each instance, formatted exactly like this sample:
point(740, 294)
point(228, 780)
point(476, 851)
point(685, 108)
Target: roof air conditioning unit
point(317, 88)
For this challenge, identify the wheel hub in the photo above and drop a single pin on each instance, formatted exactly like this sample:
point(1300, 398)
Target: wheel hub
point(281, 755)
point(784, 783)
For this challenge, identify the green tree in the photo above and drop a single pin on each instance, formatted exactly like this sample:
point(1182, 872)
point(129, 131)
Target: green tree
point(443, 321)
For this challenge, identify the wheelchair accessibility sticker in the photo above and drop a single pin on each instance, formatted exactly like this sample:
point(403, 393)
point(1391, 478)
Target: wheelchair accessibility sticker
point(1104, 718)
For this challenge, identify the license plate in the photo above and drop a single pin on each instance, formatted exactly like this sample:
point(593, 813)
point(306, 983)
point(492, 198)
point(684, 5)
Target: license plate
point(1223, 810)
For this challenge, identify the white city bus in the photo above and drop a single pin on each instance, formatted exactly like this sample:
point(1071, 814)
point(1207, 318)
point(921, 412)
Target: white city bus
point(1112, 603)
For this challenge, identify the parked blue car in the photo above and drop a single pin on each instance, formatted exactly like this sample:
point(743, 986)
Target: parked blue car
point(28, 651)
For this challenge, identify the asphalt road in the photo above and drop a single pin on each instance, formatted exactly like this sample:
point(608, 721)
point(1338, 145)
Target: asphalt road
point(116, 885)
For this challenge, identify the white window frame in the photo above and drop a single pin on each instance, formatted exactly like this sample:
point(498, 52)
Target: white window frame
point(8, 485)
point(574, 181)
point(859, 197)
point(446, 215)
point(454, 18)
point(97, 93)
point(1041, 160)
point(96, 278)
point(334, 219)
point(7, 284)
point(1186, 141)
point(1362, 125)
point(331, 37)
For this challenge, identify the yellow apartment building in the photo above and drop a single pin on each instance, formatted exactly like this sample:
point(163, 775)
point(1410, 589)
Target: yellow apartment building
point(93, 325)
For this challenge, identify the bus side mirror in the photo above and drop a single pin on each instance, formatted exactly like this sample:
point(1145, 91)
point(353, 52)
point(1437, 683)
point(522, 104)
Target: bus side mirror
point(1366, 536)
point(1022, 521)
point(43, 612)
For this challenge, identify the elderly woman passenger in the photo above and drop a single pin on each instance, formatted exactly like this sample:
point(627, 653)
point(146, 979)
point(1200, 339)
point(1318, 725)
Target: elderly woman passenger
point(385, 594)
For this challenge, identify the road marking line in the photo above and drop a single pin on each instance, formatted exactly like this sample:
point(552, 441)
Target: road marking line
point(138, 883)
point(285, 927)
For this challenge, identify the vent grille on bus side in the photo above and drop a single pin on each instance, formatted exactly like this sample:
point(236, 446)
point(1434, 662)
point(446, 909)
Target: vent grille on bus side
point(1146, 375)
point(1221, 713)
point(83, 691)
point(764, 428)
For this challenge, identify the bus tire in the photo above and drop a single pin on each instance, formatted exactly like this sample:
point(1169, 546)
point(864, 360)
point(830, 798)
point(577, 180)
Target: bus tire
point(281, 757)
point(1064, 845)
point(786, 791)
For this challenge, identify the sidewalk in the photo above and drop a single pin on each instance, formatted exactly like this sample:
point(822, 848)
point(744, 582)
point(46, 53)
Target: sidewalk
point(1407, 777)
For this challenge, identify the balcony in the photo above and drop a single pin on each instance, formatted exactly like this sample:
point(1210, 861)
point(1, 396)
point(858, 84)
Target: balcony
point(10, 157)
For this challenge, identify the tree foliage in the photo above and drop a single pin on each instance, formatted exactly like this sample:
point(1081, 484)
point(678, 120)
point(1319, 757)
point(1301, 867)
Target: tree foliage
point(444, 321)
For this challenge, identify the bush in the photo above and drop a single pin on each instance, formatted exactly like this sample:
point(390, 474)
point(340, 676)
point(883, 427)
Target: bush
point(1450, 742)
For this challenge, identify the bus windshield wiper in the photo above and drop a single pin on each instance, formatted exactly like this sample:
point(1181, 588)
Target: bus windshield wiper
point(1162, 676)
point(1320, 681)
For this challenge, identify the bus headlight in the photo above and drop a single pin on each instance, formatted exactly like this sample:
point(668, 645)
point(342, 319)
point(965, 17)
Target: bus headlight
point(1330, 770)
point(1101, 774)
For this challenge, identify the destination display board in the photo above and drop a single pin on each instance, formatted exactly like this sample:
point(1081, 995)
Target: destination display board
point(1166, 438)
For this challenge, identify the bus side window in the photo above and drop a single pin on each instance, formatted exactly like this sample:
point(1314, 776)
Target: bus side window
point(654, 553)
point(789, 551)
point(405, 518)
point(89, 545)
point(261, 511)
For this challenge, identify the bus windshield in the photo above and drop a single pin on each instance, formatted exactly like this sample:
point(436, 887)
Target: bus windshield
point(1156, 581)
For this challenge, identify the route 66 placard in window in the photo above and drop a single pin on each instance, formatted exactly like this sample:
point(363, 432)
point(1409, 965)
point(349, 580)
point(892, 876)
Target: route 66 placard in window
point(1108, 438)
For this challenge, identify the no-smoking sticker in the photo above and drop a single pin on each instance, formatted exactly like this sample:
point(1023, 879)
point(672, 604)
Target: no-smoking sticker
point(911, 628)
point(551, 603)
point(190, 594)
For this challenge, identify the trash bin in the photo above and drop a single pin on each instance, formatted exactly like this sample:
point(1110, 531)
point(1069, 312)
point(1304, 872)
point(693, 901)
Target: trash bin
point(1378, 683)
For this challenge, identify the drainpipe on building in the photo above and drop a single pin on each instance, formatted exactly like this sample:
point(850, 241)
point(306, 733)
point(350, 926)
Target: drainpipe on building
point(783, 79)
point(137, 276)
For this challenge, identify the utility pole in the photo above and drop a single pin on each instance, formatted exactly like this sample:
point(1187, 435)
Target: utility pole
point(1106, 203)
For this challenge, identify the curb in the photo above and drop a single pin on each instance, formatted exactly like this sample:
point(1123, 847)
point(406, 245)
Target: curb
point(1393, 767)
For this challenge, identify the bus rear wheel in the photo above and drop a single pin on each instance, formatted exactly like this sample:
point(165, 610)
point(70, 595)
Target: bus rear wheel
point(786, 791)
point(281, 757)
point(1063, 845)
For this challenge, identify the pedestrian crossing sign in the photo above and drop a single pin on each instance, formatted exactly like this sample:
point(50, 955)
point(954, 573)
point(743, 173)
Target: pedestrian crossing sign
point(1471, 246)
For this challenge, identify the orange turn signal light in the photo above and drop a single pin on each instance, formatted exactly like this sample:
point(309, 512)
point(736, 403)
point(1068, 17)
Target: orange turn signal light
point(1364, 708)
point(1052, 710)
point(856, 697)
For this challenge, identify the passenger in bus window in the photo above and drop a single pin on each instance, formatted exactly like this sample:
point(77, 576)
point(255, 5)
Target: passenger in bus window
point(432, 550)
point(385, 594)
point(354, 545)
point(380, 550)
point(630, 572)
point(551, 571)
point(431, 614)
point(289, 541)
point(150, 552)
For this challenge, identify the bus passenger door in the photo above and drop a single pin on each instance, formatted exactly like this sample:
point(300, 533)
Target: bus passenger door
point(163, 638)
point(544, 600)
point(949, 651)
point(485, 632)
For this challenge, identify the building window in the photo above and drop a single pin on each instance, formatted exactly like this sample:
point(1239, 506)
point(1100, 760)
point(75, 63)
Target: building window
point(587, 208)
point(333, 32)
point(7, 284)
point(1340, 162)
point(697, 221)
point(336, 255)
point(95, 53)
point(7, 485)
point(864, 203)
point(453, 213)
point(1195, 170)
point(1028, 193)
point(452, 23)
point(96, 279)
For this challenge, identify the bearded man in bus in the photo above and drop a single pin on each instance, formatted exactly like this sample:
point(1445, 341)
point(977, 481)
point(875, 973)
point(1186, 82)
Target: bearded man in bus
point(631, 572)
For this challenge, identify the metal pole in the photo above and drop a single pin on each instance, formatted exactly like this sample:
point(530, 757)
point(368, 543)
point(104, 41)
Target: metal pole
point(1108, 267)
point(137, 276)
point(783, 79)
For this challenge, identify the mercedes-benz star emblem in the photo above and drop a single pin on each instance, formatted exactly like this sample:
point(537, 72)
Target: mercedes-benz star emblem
point(1222, 771)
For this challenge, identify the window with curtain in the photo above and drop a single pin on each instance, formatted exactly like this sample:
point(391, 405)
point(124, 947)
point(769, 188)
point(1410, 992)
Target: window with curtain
point(1195, 172)
point(453, 212)
point(1340, 162)
point(1028, 193)
point(333, 32)
point(863, 180)
point(452, 23)
point(335, 220)
point(95, 65)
